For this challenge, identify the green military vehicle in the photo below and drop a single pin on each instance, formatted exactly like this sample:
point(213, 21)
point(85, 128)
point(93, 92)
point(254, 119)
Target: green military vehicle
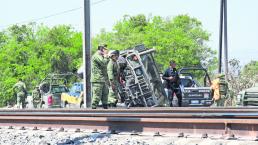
point(48, 93)
point(248, 97)
point(51, 89)
point(140, 84)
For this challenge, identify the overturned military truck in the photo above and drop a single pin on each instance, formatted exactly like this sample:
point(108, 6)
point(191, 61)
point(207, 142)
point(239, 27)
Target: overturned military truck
point(140, 84)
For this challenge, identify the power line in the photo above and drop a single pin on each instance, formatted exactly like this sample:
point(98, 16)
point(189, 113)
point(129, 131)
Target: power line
point(97, 2)
point(52, 15)
point(45, 17)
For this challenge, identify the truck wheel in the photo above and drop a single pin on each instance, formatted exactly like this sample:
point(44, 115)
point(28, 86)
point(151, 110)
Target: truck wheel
point(42, 105)
point(67, 105)
point(64, 104)
point(81, 105)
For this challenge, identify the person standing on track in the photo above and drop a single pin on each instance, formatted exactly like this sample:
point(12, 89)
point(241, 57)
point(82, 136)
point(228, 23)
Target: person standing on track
point(20, 93)
point(113, 77)
point(99, 77)
point(172, 83)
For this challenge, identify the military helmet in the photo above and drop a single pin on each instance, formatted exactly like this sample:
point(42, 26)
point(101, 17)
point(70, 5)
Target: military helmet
point(103, 46)
point(113, 52)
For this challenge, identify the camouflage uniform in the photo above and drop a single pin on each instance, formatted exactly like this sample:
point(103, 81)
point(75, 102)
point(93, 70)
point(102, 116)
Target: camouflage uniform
point(223, 90)
point(99, 80)
point(112, 70)
point(220, 88)
point(20, 91)
point(36, 98)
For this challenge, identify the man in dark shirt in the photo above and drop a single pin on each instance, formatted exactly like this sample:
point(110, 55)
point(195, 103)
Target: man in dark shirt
point(172, 83)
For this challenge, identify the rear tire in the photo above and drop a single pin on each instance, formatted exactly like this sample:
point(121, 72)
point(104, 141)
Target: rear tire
point(67, 105)
point(62, 104)
point(81, 105)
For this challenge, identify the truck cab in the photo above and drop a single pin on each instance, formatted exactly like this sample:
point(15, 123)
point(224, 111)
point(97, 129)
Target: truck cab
point(195, 87)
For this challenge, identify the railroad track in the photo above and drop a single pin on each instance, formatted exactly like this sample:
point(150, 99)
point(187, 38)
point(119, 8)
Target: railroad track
point(225, 122)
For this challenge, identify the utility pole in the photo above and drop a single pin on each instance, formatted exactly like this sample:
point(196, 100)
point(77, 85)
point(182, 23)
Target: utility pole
point(225, 40)
point(223, 24)
point(87, 55)
point(220, 36)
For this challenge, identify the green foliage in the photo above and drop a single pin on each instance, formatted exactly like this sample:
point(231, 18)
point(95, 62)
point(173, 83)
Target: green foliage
point(181, 39)
point(31, 52)
point(242, 78)
point(251, 69)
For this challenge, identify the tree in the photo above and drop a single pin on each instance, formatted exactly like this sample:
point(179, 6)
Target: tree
point(181, 38)
point(32, 51)
point(242, 78)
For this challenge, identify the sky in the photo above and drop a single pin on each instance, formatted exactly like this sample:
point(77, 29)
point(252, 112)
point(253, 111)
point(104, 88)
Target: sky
point(242, 17)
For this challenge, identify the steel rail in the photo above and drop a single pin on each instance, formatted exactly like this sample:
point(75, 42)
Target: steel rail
point(154, 109)
point(135, 114)
point(223, 121)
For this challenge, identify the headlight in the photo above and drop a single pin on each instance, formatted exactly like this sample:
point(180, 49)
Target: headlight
point(187, 91)
point(204, 91)
point(206, 95)
point(138, 71)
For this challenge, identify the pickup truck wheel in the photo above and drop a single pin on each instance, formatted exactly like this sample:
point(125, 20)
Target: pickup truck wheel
point(44, 106)
point(62, 104)
point(67, 105)
point(81, 105)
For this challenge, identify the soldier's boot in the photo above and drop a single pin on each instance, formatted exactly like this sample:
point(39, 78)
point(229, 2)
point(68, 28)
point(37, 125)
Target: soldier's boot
point(18, 105)
point(179, 103)
point(112, 105)
point(171, 104)
point(171, 101)
point(105, 106)
point(93, 106)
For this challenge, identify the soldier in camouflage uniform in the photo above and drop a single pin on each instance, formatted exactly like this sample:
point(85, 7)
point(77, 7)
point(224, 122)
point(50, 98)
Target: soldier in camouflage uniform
point(99, 77)
point(36, 97)
point(220, 88)
point(20, 92)
point(113, 77)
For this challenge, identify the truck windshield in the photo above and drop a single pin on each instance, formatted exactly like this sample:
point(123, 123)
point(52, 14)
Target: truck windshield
point(58, 89)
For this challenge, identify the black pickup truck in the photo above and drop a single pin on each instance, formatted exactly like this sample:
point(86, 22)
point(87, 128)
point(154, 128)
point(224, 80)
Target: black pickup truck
point(195, 87)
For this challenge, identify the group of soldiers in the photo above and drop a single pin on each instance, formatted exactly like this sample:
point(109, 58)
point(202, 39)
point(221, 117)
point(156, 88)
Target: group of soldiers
point(21, 94)
point(105, 81)
point(104, 77)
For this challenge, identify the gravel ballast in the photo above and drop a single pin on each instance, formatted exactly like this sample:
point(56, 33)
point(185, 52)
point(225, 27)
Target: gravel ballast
point(42, 137)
